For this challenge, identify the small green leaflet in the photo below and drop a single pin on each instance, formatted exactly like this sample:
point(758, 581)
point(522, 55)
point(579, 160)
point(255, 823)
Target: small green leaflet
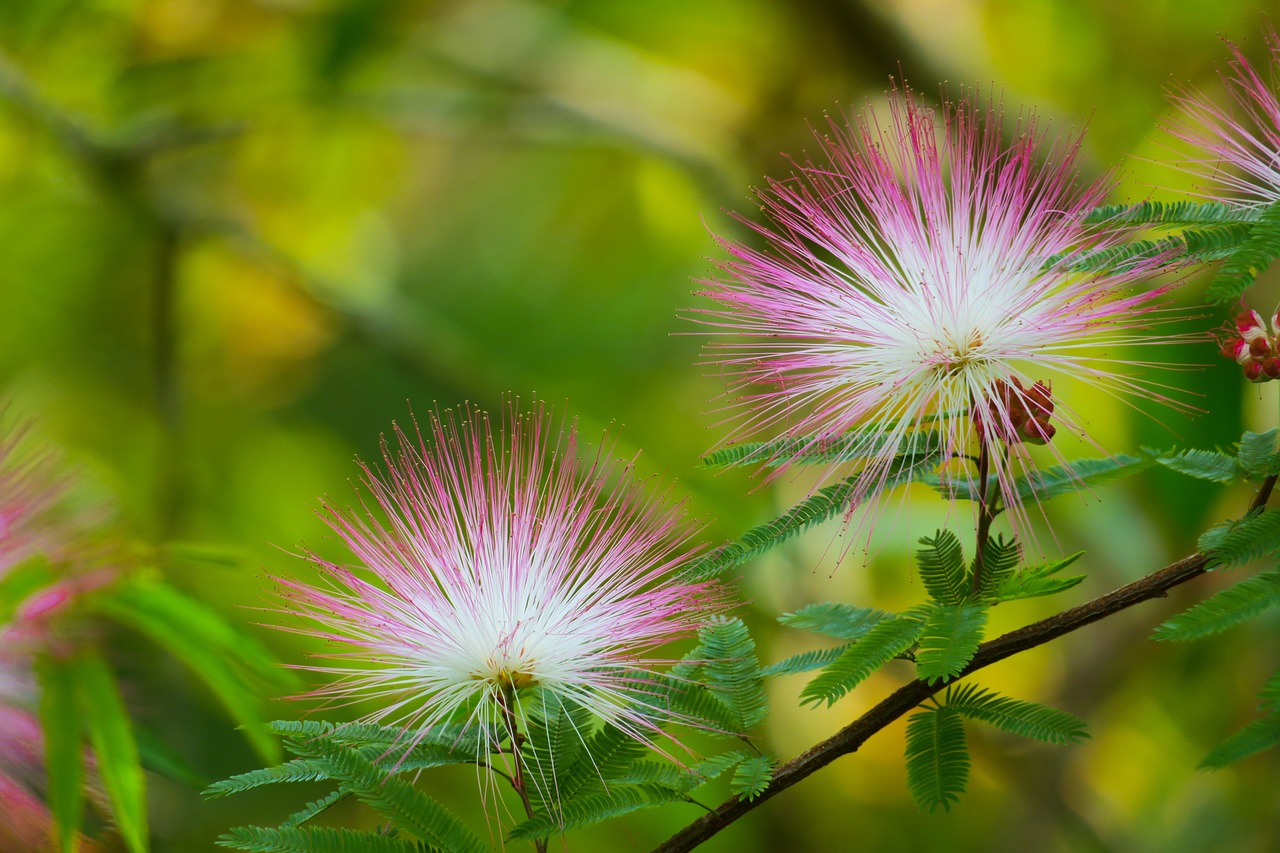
point(835, 619)
point(1253, 257)
point(1079, 475)
point(1258, 455)
point(942, 568)
point(862, 443)
point(937, 758)
point(1224, 610)
point(1209, 465)
point(949, 639)
point(1016, 716)
point(1170, 214)
point(1233, 543)
point(753, 775)
point(886, 641)
point(1036, 581)
point(1253, 738)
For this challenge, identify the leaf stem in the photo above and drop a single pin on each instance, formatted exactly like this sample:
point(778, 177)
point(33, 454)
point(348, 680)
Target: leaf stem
point(506, 704)
point(985, 513)
point(910, 695)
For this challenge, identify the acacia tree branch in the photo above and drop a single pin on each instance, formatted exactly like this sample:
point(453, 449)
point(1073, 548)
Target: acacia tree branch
point(907, 697)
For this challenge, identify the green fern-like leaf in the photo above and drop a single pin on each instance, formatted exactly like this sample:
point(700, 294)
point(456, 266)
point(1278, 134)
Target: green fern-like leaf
point(298, 770)
point(407, 809)
point(1270, 692)
point(1080, 475)
point(594, 808)
point(862, 443)
point(1253, 738)
point(951, 636)
point(1170, 214)
point(261, 839)
point(1025, 719)
point(682, 699)
point(1036, 581)
point(1250, 259)
point(1234, 543)
point(880, 645)
point(823, 505)
point(604, 763)
point(1000, 559)
point(835, 619)
point(1224, 610)
point(664, 775)
point(942, 568)
point(732, 672)
point(804, 662)
point(555, 747)
point(753, 775)
point(1258, 455)
point(1211, 244)
point(1202, 464)
point(937, 758)
point(1199, 245)
point(314, 808)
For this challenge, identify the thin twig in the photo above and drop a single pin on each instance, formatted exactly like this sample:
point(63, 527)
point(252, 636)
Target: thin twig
point(904, 699)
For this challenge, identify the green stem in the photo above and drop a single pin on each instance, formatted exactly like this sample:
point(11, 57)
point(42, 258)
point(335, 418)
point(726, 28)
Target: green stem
point(986, 513)
point(518, 781)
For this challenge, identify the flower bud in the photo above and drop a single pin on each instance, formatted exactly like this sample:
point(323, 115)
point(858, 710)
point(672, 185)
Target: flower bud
point(1018, 414)
point(1253, 344)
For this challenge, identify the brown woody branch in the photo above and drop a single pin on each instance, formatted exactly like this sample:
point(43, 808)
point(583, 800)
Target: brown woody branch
point(906, 698)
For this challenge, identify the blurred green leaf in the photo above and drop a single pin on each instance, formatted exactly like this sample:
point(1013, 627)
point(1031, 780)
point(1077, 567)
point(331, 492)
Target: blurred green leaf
point(63, 753)
point(233, 665)
point(114, 747)
point(19, 582)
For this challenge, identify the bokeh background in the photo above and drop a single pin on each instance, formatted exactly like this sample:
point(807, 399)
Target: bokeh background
point(240, 238)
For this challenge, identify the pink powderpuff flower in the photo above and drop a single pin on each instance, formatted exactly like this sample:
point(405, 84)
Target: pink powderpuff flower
point(497, 565)
point(1247, 142)
point(920, 277)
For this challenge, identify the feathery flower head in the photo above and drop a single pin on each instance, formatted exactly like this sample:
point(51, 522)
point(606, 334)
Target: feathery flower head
point(918, 278)
point(502, 564)
point(1247, 142)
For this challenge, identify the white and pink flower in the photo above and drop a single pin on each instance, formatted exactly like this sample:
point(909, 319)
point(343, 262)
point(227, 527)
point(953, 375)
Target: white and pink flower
point(920, 275)
point(1237, 147)
point(494, 563)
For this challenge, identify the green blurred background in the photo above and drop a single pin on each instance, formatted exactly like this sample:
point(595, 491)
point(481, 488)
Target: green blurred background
point(241, 237)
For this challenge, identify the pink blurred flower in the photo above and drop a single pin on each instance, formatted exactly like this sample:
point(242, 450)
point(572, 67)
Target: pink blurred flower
point(497, 564)
point(1246, 142)
point(33, 526)
point(907, 283)
point(30, 487)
